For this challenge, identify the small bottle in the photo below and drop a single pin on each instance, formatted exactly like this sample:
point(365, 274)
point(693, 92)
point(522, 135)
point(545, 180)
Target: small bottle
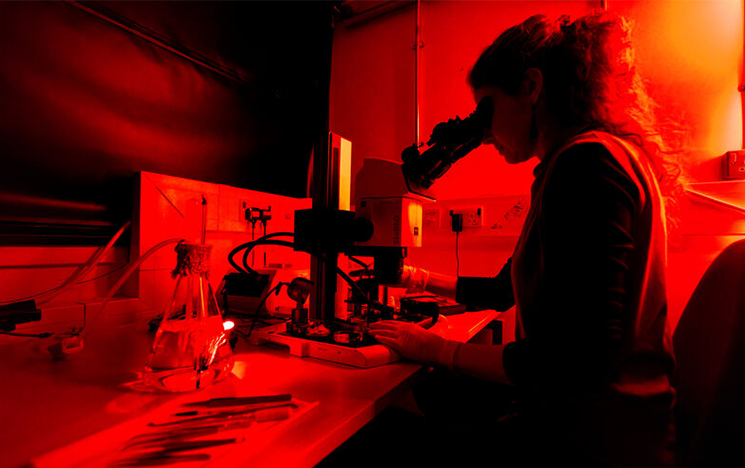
point(191, 348)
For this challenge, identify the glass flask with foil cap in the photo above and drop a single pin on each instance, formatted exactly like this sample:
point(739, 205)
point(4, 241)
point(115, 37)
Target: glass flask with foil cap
point(191, 348)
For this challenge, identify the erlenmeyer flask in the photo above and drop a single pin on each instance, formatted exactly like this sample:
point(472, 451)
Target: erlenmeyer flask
point(191, 348)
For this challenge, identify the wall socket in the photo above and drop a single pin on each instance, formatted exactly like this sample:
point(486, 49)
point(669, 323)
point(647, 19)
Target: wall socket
point(472, 217)
point(734, 164)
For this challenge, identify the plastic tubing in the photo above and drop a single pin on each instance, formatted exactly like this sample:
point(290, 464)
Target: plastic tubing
point(282, 243)
point(251, 244)
point(264, 241)
point(71, 282)
point(89, 266)
point(132, 268)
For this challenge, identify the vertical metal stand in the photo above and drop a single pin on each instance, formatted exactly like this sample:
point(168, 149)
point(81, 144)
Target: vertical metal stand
point(323, 273)
point(331, 187)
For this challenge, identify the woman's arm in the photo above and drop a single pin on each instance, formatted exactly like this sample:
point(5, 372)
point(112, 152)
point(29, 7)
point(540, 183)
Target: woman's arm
point(442, 285)
point(476, 292)
point(575, 316)
point(480, 361)
point(418, 279)
point(414, 342)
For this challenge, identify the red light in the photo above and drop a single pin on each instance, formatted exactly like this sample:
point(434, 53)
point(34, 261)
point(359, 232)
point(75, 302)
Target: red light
point(228, 325)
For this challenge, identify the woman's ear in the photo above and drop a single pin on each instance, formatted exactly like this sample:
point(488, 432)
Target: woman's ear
point(534, 84)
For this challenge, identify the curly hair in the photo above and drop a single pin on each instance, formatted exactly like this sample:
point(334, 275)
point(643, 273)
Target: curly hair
point(590, 81)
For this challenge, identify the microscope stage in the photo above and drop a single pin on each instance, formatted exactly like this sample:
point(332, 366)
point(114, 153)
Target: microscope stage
point(363, 356)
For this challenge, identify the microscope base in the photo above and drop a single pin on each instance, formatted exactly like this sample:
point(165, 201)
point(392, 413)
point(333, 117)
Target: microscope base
point(363, 357)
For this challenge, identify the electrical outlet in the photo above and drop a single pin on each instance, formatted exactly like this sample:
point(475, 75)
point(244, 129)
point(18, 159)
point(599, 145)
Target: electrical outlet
point(243, 205)
point(734, 164)
point(431, 218)
point(472, 217)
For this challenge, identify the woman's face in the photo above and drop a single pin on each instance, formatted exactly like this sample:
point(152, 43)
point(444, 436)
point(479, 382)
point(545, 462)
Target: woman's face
point(510, 125)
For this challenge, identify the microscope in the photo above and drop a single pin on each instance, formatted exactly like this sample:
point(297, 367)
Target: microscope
point(387, 221)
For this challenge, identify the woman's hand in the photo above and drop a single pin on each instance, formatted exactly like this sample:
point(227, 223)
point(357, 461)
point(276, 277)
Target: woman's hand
point(414, 279)
point(414, 342)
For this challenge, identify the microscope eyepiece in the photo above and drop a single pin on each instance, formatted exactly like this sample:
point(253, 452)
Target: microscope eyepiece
point(449, 142)
point(455, 133)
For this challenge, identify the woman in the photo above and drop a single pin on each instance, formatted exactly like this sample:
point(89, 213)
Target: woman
point(592, 362)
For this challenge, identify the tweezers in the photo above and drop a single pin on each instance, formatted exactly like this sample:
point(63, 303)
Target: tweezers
point(226, 408)
point(159, 459)
point(222, 415)
point(187, 432)
point(238, 401)
point(186, 445)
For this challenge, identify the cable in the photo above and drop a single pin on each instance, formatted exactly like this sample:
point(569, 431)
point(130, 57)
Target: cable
point(245, 254)
point(265, 240)
point(28, 298)
point(359, 262)
point(250, 245)
point(27, 335)
point(128, 273)
point(78, 283)
point(247, 244)
point(457, 256)
point(264, 224)
point(89, 266)
point(232, 262)
point(72, 281)
point(352, 284)
point(339, 271)
point(104, 274)
point(253, 239)
point(266, 296)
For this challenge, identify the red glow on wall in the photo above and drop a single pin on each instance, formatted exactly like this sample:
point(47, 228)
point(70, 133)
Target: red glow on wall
point(80, 85)
point(690, 53)
point(86, 100)
point(692, 60)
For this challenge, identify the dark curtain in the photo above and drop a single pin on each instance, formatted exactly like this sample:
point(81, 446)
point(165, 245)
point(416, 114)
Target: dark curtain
point(85, 103)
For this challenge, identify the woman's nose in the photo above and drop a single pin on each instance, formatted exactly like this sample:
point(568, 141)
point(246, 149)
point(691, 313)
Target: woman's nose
point(488, 138)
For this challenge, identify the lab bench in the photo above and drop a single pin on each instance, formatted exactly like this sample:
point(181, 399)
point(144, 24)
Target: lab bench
point(75, 406)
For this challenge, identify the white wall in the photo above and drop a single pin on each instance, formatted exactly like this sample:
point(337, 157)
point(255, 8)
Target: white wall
point(689, 50)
